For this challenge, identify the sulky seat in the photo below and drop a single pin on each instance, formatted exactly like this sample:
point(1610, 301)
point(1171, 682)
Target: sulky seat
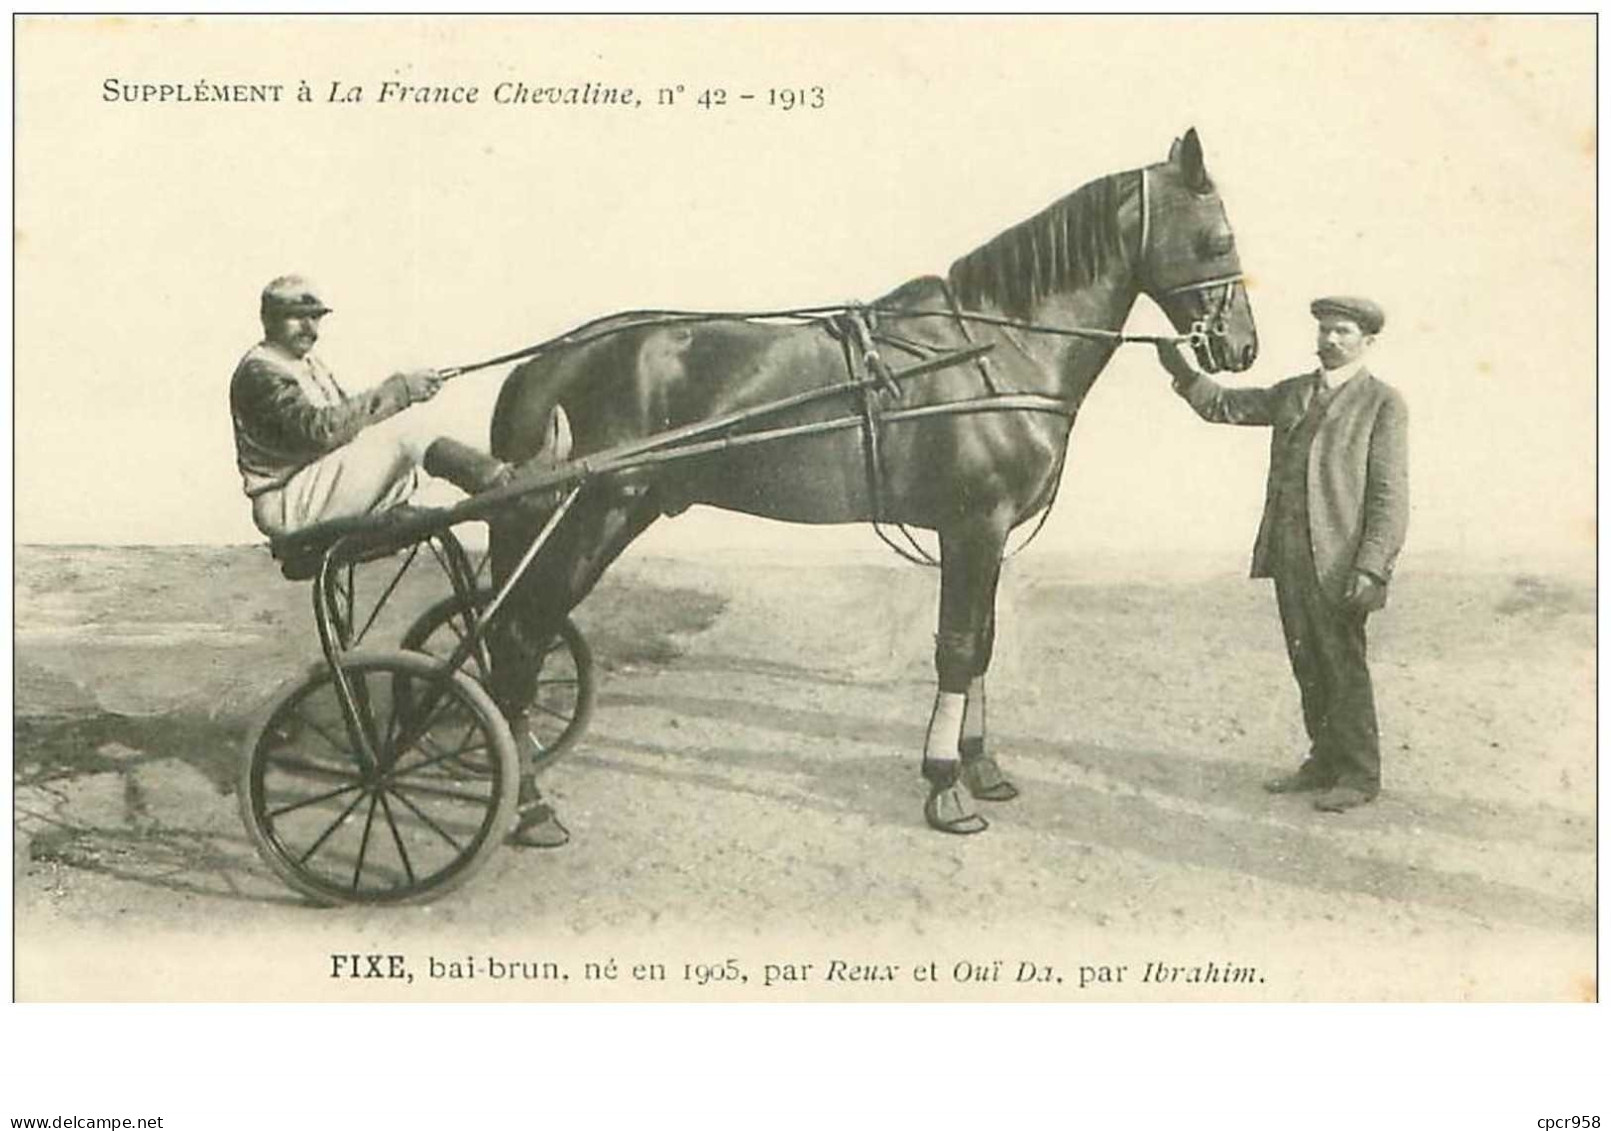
point(372, 537)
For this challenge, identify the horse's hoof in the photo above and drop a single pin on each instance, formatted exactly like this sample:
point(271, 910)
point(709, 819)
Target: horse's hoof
point(946, 811)
point(984, 779)
point(538, 827)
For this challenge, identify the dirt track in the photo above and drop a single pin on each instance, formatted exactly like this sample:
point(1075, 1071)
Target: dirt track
point(749, 788)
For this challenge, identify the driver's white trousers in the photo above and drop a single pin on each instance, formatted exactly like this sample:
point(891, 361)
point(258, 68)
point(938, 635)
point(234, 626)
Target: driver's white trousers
point(376, 471)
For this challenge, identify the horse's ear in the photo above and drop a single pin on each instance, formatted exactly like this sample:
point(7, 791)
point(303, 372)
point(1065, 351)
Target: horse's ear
point(1174, 151)
point(1192, 169)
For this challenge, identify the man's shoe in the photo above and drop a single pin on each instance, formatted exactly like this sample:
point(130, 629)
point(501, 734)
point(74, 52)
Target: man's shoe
point(1304, 779)
point(1341, 798)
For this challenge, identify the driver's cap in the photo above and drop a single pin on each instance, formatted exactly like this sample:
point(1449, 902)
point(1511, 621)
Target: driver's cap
point(292, 294)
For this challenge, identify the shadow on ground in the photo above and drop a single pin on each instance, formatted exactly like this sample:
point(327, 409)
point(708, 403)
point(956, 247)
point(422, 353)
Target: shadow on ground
point(1239, 837)
point(138, 799)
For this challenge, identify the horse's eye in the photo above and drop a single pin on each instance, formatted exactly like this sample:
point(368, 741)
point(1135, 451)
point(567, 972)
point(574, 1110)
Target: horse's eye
point(1213, 245)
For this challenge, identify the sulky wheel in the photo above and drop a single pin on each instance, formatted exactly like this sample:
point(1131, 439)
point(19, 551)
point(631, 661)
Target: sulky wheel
point(403, 801)
point(565, 684)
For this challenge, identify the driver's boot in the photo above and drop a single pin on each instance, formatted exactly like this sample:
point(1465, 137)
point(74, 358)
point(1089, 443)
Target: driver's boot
point(469, 469)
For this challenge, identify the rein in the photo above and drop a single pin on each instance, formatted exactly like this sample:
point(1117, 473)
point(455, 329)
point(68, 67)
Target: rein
point(1201, 330)
point(642, 318)
point(852, 317)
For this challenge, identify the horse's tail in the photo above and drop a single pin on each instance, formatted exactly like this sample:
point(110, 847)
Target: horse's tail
point(528, 420)
point(557, 441)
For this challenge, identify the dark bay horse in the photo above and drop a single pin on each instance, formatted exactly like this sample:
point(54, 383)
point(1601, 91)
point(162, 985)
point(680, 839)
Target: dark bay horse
point(1050, 295)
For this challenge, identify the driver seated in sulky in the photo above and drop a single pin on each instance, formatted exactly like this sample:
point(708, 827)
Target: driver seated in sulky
point(308, 452)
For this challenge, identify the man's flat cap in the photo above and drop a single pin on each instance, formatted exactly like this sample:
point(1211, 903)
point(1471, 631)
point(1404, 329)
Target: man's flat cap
point(1366, 313)
point(292, 294)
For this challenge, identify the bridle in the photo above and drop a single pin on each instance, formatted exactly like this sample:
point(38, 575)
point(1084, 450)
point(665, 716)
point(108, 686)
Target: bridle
point(1215, 320)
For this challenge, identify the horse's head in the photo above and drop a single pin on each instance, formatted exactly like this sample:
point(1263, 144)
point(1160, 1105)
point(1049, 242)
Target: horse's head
point(1189, 265)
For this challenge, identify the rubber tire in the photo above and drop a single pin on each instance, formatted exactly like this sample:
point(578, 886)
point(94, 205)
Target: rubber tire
point(435, 617)
point(501, 813)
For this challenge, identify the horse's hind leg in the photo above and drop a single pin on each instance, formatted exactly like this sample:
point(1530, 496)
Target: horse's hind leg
point(624, 516)
point(517, 640)
point(601, 524)
point(970, 564)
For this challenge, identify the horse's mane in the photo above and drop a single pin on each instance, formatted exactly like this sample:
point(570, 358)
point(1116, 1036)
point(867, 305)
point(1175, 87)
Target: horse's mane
point(1065, 246)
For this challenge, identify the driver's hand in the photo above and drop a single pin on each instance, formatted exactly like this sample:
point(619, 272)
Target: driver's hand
point(422, 384)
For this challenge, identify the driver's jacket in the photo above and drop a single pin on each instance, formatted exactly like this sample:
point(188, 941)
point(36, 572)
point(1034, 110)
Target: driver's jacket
point(289, 411)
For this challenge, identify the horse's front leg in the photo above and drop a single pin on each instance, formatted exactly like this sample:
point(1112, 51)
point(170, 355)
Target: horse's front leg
point(970, 564)
point(981, 774)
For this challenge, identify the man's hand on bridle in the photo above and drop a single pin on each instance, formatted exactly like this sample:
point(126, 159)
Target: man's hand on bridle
point(1175, 361)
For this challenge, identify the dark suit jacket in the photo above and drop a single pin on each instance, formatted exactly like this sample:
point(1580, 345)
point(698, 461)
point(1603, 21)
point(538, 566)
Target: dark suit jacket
point(1358, 473)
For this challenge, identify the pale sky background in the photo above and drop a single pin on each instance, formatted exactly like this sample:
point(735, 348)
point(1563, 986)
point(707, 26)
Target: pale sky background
point(1443, 166)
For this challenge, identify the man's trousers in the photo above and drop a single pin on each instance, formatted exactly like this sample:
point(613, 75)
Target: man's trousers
point(1326, 644)
point(376, 471)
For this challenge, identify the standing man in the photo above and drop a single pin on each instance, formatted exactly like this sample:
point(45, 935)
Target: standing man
point(309, 453)
point(1336, 510)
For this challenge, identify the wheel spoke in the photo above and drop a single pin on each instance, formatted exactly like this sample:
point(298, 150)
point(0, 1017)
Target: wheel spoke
point(462, 751)
point(438, 758)
point(456, 755)
point(417, 730)
point(551, 711)
point(321, 732)
point(334, 825)
point(425, 786)
point(438, 791)
point(380, 603)
point(363, 844)
point(444, 700)
point(424, 816)
point(464, 741)
point(424, 755)
point(314, 768)
point(397, 838)
point(478, 653)
point(292, 808)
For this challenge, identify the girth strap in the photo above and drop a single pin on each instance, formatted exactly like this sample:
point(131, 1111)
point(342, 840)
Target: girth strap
point(873, 377)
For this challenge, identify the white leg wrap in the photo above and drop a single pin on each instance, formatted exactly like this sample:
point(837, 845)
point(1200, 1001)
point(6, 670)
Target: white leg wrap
point(945, 727)
point(973, 721)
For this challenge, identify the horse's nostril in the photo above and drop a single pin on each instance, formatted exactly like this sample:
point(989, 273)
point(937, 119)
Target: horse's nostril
point(1247, 356)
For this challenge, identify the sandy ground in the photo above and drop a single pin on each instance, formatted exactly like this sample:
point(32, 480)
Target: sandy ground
point(749, 791)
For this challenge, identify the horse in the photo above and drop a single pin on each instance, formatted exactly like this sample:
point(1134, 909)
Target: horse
point(1047, 298)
